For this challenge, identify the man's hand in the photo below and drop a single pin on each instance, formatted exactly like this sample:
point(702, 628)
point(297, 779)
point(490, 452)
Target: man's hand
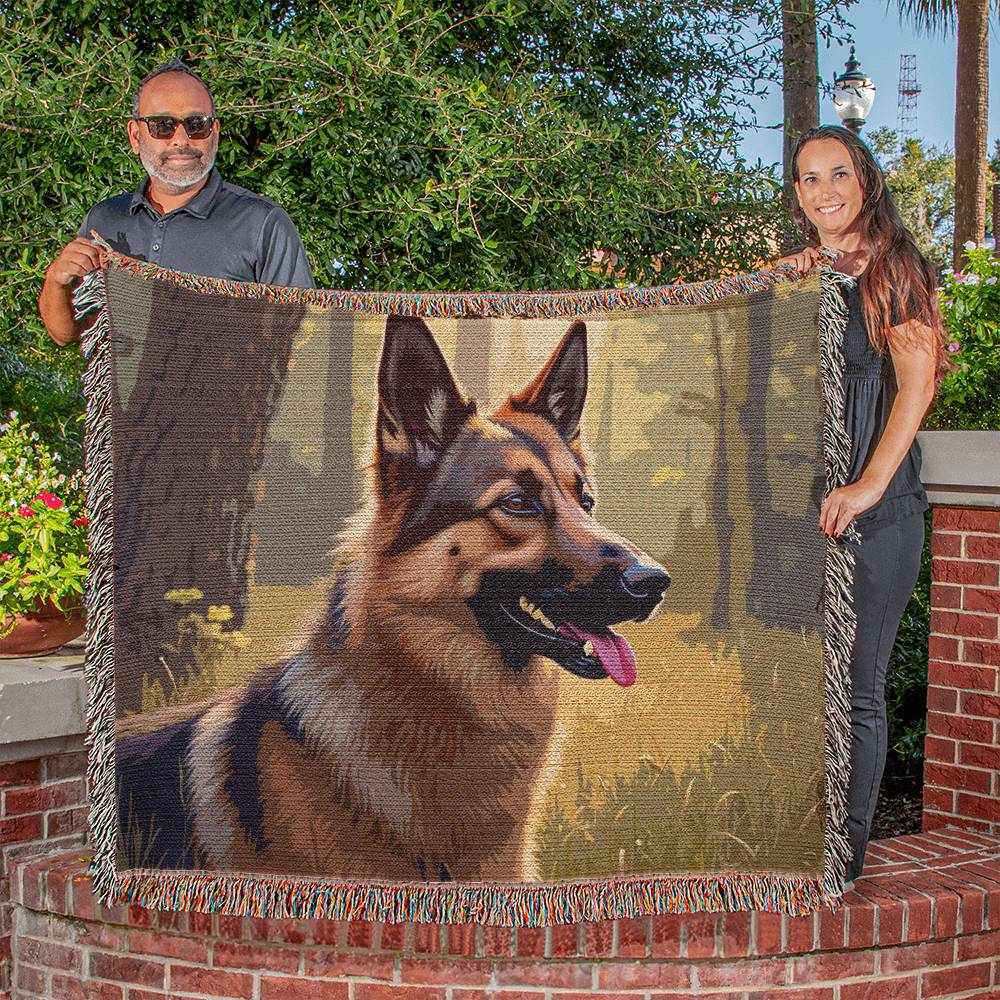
point(804, 260)
point(55, 304)
point(78, 257)
point(844, 504)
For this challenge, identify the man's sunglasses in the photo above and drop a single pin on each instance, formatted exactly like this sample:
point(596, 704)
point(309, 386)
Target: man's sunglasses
point(164, 126)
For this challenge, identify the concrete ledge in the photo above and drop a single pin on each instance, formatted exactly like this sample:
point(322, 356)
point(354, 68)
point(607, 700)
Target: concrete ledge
point(43, 704)
point(961, 468)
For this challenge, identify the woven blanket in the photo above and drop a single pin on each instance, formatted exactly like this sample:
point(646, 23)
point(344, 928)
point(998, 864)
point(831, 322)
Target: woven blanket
point(501, 608)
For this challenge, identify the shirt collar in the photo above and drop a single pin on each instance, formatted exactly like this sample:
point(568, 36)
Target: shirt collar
point(199, 206)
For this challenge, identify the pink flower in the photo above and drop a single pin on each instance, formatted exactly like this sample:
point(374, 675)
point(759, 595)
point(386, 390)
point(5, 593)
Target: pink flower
point(25, 579)
point(25, 511)
point(50, 500)
point(953, 347)
point(78, 522)
point(4, 556)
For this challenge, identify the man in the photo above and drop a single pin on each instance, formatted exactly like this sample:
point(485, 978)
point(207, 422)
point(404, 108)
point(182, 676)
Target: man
point(183, 215)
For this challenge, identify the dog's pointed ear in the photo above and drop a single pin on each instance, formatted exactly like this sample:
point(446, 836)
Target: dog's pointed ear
point(420, 408)
point(559, 390)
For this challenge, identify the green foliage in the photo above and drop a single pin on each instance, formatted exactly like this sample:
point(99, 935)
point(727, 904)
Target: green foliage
point(969, 397)
point(906, 681)
point(922, 183)
point(43, 537)
point(416, 145)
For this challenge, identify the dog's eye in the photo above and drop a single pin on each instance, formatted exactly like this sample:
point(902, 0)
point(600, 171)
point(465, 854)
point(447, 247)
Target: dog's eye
point(518, 503)
point(587, 502)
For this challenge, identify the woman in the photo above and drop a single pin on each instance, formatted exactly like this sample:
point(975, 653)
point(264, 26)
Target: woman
point(894, 351)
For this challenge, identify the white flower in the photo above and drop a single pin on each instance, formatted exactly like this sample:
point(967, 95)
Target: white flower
point(990, 281)
point(4, 428)
point(13, 414)
point(969, 244)
point(972, 279)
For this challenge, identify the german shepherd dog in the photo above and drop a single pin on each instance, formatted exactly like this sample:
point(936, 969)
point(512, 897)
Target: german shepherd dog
point(405, 739)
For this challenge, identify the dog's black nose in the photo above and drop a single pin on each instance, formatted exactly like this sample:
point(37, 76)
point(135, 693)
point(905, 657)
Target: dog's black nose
point(647, 582)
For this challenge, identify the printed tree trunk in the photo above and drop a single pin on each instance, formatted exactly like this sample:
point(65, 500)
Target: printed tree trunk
point(196, 424)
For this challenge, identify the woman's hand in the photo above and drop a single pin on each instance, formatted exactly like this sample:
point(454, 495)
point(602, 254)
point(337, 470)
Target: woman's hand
point(845, 503)
point(804, 260)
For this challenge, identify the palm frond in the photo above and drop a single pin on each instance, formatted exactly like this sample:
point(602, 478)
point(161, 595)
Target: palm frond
point(931, 16)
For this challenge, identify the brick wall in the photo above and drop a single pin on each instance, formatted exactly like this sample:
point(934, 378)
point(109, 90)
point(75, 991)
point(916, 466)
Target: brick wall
point(41, 804)
point(962, 769)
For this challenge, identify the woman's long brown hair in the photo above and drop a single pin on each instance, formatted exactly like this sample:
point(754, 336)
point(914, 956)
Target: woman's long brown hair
point(897, 270)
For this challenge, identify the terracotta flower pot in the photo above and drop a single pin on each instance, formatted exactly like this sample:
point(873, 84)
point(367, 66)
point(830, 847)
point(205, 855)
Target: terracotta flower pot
point(42, 630)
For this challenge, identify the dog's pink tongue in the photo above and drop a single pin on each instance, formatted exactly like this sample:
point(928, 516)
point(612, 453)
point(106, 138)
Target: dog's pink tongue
point(614, 651)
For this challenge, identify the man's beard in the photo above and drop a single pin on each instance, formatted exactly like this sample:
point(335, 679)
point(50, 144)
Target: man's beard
point(178, 179)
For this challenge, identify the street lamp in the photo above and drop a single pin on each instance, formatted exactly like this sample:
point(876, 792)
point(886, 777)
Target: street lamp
point(853, 95)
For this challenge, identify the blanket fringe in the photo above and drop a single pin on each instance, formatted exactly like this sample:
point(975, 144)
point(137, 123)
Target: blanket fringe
point(521, 905)
point(839, 619)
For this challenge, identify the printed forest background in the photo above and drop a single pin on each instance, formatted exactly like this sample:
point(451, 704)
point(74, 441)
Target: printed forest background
point(703, 424)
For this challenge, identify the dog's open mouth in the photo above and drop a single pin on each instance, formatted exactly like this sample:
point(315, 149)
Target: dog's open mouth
point(592, 652)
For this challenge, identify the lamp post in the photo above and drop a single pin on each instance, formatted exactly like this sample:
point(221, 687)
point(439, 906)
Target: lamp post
point(853, 95)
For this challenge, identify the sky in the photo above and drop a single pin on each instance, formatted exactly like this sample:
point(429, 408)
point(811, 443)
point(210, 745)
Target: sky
point(880, 39)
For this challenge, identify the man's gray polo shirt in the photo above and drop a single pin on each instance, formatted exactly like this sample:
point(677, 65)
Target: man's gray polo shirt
point(224, 231)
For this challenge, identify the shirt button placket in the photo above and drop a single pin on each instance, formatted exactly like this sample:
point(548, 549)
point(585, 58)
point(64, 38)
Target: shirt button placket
point(157, 241)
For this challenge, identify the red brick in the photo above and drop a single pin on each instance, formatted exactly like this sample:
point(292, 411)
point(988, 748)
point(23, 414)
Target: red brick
point(941, 799)
point(768, 933)
point(978, 651)
point(939, 749)
point(210, 982)
point(945, 913)
point(187, 949)
point(66, 765)
point(19, 801)
point(62, 794)
point(496, 941)
point(461, 939)
point(235, 955)
point(980, 755)
point(632, 936)
point(47, 953)
point(981, 599)
point(31, 980)
point(66, 988)
point(598, 938)
point(445, 971)
point(21, 772)
point(471, 993)
point(686, 995)
point(643, 975)
point(200, 924)
point(811, 993)
point(230, 926)
point(329, 963)
point(946, 595)
point(273, 988)
point(84, 903)
point(949, 776)
point(890, 913)
point(833, 965)
point(701, 934)
point(279, 931)
point(942, 699)
point(984, 945)
point(967, 625)
point(20, 829)
point(427, 938)
point(965, 519)
point(126, 970)
point(393, 991)
point(962, 675)
point(572, 975)
point(735, 935)
point(332, 933)
point(909, 957)
point(393, 937)
point(945, 543)
point(66, 821)
point(960, 728)
point(982, 547)
point(985, 705)
point(942, 647)
point(758, 972)
point(564, 941)
point(881, 989)
point(983, 807)
point(360, 933)
point(945, 981)
point(530, 942)
point(964, 571)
